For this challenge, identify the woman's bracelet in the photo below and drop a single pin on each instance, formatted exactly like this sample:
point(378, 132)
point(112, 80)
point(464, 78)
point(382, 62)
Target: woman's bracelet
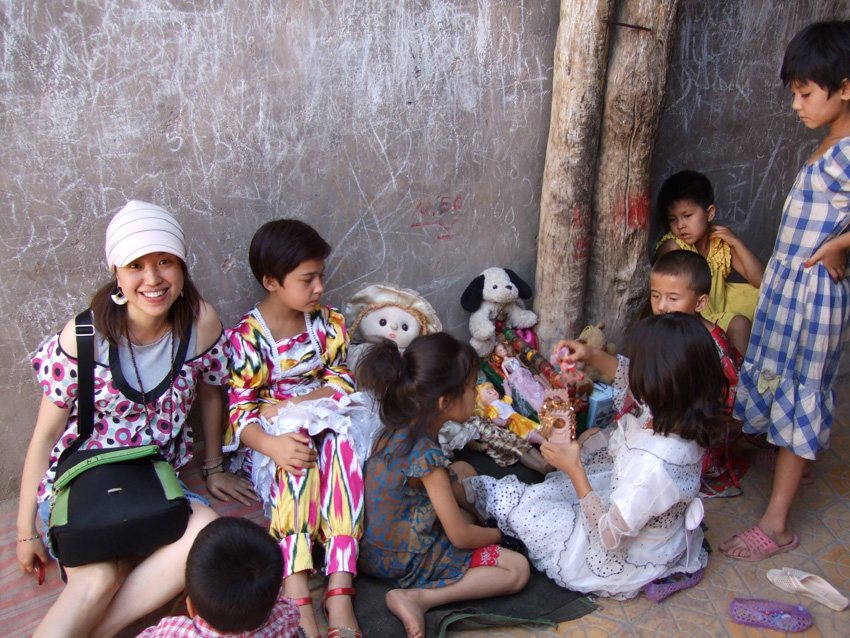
point(218, 469)
point(31, 538)
point(212, 463)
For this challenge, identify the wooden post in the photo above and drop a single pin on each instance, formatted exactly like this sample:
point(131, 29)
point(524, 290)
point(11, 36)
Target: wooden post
point(569, 173)
point(618, 279)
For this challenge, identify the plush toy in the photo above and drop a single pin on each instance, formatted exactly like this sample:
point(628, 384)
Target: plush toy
point(490, 296)
point(385, 311)
point(594, 336)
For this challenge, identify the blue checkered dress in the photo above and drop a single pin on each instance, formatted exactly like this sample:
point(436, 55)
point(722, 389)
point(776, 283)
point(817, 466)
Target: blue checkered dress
point(785, 387)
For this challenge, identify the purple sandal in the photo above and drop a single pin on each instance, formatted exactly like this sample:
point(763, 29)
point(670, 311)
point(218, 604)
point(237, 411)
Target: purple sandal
point(770, 614)
point(662, 588)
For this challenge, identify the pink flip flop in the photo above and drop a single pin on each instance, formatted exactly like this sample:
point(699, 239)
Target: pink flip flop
point(770, 614)
point(761, 546)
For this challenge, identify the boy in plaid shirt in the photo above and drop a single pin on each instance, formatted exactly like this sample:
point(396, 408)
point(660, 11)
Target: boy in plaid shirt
point(233, 577)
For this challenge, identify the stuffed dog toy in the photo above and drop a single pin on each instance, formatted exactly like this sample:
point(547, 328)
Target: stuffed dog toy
point(490, 296)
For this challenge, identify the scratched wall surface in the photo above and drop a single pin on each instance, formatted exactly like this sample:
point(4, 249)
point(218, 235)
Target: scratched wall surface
point(727, 113)
point(411, 134)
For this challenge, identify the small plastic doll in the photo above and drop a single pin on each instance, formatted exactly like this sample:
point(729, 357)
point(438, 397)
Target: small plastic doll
point(488, 403)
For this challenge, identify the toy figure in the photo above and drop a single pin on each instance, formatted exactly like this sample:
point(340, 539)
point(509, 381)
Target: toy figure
point(500, 444)
point(385, 311)
point(490, 296)
point(488, 403)
point(520, 378)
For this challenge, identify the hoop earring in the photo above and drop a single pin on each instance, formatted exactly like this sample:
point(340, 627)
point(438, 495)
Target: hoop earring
point(118, 298)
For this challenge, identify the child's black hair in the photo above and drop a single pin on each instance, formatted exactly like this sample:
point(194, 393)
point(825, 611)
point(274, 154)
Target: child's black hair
point(233, 574)
point(675, 371)
point(408, 386)
point(819, 53)
point(687, 264)
point(684, 186)
point(280, 245)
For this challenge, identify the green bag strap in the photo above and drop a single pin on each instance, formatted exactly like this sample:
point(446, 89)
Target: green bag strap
point(115, 455)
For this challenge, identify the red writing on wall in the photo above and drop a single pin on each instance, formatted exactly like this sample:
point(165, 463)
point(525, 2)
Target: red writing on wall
point(442, 214)
point(581, 232)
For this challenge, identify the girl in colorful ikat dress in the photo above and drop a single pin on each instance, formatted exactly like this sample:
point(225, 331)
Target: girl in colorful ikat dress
point(624, 511)
point(158, 347)
point(288, 366)
point(416, 536)
point(803, 311)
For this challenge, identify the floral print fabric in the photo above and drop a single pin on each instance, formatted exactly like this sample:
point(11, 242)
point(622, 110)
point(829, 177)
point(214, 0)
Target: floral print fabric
point(403, 541)
point(120, 417)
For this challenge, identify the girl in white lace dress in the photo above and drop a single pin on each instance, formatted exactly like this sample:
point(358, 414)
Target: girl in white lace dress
point(623, 510)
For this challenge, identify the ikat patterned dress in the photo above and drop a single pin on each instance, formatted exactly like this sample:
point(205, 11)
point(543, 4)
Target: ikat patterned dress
point(403, 541)
point(327, 502)
point(800, 326)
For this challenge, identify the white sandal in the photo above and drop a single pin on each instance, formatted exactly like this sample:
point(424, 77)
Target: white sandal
point(795, 581)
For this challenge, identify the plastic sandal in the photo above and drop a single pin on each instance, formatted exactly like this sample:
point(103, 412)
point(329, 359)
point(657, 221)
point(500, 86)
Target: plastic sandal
point(340, 632)
point(795, 581)
point(761, 545)
point(770, 614)
point(663, 588)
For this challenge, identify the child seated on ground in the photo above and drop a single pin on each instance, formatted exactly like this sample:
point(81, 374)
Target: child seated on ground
point(416, 536)
point(680, 281)
point(233, 575)
point(686, 209)
point(288, 386)
point(624, 511)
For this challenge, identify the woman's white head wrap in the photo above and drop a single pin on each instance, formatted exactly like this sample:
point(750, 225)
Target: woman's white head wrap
point(139, 229)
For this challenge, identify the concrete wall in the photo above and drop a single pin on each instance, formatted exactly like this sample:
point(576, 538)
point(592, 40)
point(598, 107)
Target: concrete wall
point(411, 134)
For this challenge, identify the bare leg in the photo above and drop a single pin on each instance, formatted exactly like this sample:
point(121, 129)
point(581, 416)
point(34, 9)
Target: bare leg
point(739, 333)
point(298, 586)
point(786, 479)
point(339, 609)
point(86, 596)
point(157, 579)
point(534, 460)
point(410, 605)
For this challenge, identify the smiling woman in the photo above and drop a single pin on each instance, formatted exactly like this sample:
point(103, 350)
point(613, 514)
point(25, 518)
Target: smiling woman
point(157, 347)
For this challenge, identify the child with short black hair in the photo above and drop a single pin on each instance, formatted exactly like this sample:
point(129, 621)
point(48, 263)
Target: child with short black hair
point(785, 392)
point(686, 209)
point(416, 536)
point(233, 576)
point(288, 390)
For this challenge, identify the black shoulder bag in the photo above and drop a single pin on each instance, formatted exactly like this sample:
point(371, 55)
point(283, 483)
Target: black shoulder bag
point(111, 501)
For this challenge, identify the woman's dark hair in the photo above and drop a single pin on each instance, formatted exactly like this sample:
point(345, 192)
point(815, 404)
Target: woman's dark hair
point(280, 245)
point(684, 186)
point(408, 386)
point(110, 319)
point(675, 370)
point(233, 574)
point(819, 53)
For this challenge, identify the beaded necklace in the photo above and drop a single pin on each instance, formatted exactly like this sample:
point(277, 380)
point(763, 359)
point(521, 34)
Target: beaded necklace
point(142, 389)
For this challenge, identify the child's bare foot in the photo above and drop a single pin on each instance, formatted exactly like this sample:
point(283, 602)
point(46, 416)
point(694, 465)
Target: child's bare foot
point(402, 603)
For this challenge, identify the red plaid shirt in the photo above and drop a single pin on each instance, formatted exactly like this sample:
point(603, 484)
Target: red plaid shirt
point(281, 623)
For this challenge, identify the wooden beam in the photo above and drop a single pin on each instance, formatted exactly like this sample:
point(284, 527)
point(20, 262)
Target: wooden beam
point(618, 273)
point(569, 174)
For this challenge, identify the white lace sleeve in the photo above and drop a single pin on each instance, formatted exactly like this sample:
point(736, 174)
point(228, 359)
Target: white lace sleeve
point(621, 383)
point(595, 513)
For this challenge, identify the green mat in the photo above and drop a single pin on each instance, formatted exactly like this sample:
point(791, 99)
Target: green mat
point(540, 602)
